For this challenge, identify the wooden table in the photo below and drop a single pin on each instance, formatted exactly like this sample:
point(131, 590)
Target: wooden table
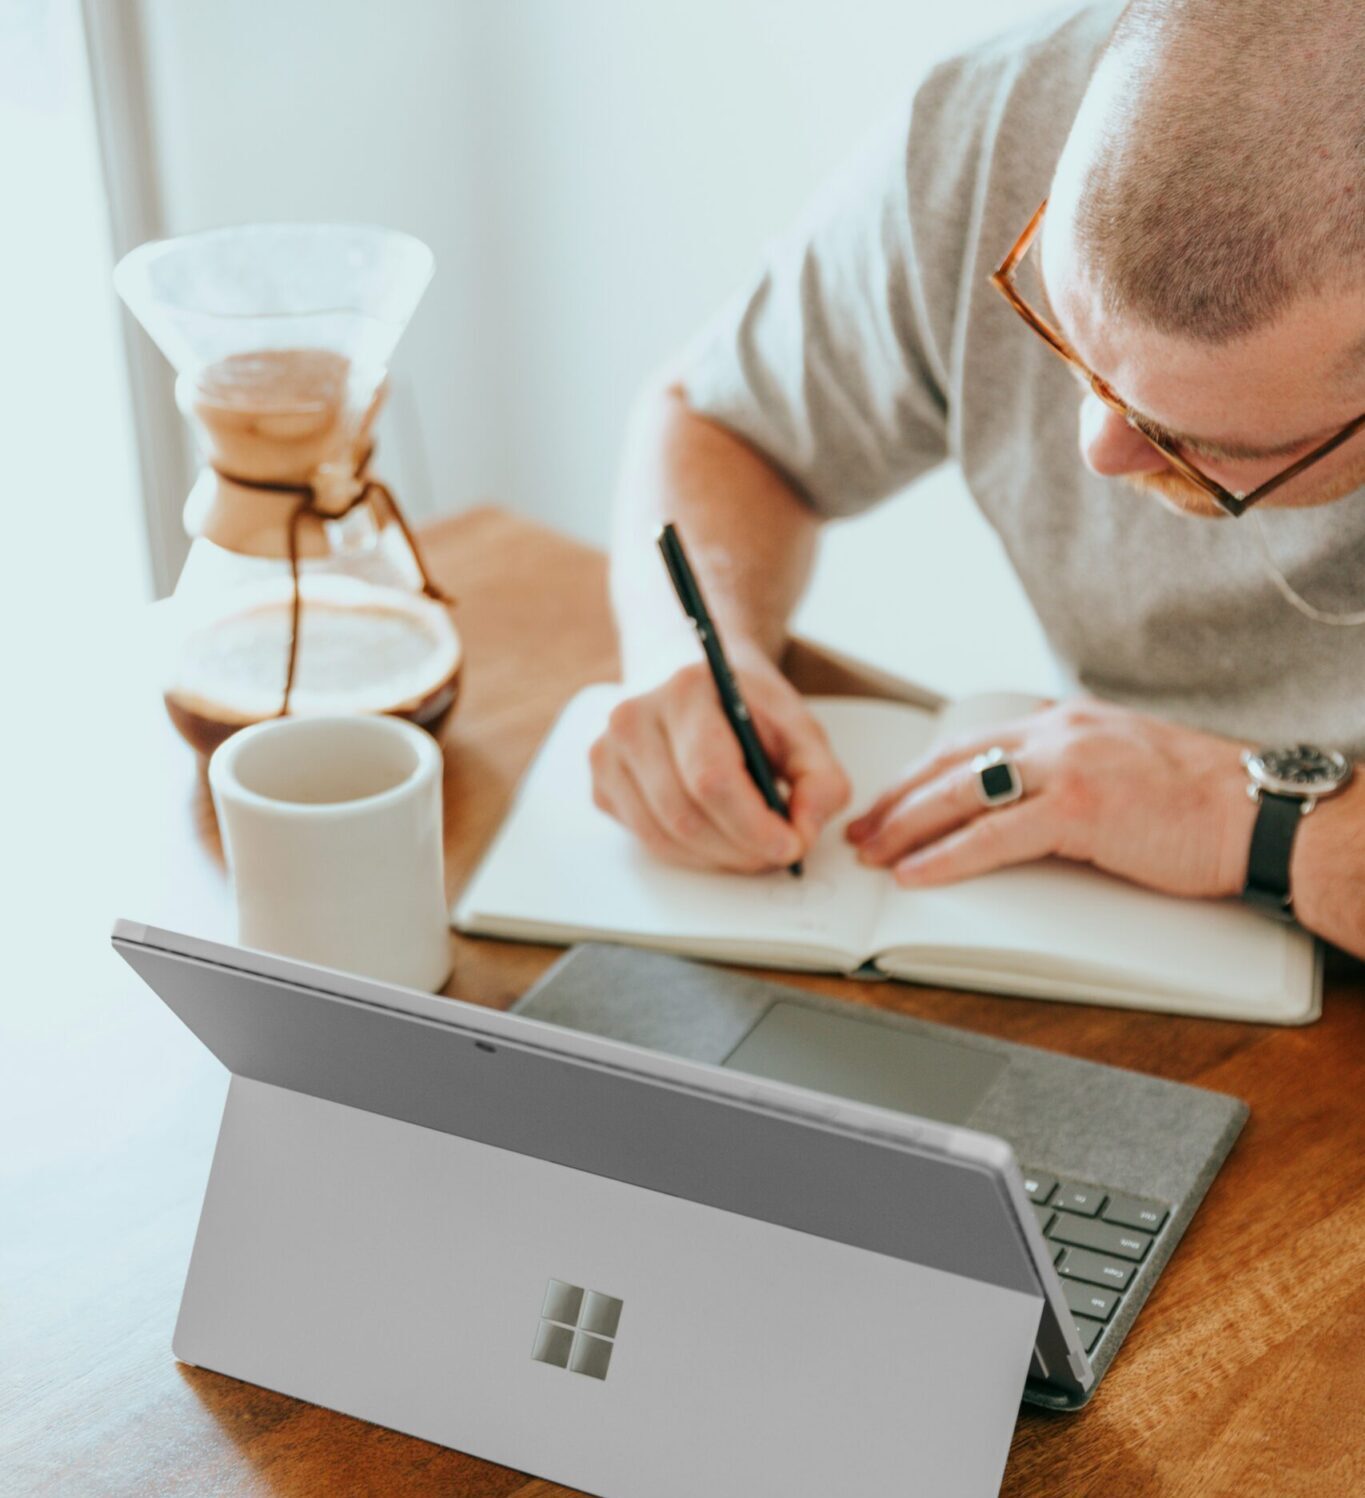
point(1244, 1374)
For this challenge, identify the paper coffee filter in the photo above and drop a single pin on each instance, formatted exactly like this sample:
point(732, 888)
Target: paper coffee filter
point(348, 288)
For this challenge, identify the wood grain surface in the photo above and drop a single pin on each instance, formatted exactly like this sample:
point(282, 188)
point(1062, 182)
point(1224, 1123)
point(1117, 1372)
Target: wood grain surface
point(1245, 1373)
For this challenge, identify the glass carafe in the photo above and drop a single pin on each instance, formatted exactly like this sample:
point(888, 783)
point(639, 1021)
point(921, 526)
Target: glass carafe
point(304, 591)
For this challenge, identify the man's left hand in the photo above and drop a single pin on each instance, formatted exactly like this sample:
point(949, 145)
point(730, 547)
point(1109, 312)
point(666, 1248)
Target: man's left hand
point(1149, 801)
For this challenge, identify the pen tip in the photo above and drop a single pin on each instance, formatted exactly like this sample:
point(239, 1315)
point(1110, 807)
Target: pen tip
point(797, 869)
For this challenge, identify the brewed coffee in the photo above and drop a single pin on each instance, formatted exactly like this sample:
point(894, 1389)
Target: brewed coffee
point(396, 655)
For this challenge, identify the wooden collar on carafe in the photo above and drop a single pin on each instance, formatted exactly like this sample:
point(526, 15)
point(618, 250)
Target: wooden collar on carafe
point(310, 505)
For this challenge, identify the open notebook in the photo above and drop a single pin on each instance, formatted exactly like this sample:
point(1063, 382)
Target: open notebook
point(561, 871)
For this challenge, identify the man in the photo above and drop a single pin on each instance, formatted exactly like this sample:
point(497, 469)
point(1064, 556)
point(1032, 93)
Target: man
point(1201, 267)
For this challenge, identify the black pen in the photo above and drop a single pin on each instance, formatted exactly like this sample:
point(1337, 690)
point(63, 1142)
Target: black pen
point(731, 700)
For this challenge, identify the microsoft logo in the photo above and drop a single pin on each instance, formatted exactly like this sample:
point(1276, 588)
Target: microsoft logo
point(577, 1329)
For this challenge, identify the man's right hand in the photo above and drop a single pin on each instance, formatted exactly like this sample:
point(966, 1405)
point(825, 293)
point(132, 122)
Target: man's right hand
point(670, 769)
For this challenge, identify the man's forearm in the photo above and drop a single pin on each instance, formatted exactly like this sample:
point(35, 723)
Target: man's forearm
point(1327, 873)
point(749, 535)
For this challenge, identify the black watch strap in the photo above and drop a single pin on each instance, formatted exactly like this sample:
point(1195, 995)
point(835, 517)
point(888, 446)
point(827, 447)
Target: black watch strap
point(1272, 841)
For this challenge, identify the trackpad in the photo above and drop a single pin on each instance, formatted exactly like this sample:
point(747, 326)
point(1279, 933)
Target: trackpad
point(866, 1061)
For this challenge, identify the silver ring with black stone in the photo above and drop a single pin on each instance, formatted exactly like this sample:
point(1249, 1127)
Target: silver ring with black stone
point(997, 778)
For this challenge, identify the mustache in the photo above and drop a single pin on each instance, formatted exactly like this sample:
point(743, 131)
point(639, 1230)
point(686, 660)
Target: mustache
point(1177, 493)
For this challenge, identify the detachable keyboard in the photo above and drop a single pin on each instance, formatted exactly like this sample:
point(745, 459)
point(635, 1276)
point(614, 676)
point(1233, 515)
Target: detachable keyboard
point(1098, 1238)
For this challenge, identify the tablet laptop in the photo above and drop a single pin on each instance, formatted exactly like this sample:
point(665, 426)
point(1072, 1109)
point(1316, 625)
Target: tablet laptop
point(637, 1274)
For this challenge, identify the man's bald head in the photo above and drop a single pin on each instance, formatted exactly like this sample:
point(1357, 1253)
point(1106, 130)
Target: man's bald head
point(1217, 168)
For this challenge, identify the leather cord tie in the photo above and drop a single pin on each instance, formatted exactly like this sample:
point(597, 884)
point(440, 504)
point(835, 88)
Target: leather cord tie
point(310, 505)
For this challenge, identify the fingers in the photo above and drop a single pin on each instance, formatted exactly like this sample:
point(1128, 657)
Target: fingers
point(670, 768)
point(615, 792)
point(646, 793)
point(920, 772)
point(922, 815)
point(1013, 834)
point(820, 789)
point(704, 800)
point(708, 762)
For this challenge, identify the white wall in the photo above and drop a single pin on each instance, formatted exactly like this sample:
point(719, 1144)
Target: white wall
point(594, 176)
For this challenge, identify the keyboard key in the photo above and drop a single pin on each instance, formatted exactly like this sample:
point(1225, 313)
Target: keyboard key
point(1136, 1212)
point(1039, 1185)
point(1086, 1201)
point(1044, 1216)
point(1102, 1237)
point(1090, 1300)
point(1089, 1331)
point(1095, 1269)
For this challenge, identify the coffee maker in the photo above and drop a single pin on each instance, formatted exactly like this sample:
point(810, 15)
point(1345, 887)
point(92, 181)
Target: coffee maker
point(304, 591)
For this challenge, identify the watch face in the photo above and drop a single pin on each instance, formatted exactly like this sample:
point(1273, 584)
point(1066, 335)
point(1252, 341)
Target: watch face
point(1303, 767)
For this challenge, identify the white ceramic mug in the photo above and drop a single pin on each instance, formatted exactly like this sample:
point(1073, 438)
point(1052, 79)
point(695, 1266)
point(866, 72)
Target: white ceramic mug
point(332, 830)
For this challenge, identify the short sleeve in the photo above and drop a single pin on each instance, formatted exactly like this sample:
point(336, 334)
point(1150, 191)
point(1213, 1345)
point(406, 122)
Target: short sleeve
point(825, 362)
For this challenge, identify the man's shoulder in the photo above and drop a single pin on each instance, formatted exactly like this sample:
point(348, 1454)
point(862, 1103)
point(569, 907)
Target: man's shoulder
point(986, 129)
point(1008, 100)
point(1059, 46)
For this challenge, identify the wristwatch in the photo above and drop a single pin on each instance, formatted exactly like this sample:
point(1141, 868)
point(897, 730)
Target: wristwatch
point(1286, 784)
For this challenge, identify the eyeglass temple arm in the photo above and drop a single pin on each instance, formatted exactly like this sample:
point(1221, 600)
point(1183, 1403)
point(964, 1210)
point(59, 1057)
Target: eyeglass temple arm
point(1294, 469)
point(1002, 278)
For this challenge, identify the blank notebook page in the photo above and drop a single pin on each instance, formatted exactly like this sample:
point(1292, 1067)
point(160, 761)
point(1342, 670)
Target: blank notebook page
point(1058, 919)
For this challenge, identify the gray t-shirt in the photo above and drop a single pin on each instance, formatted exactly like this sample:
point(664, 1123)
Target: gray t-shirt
point(872, 347)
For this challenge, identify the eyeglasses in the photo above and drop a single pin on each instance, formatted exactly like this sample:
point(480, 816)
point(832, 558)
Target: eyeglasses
point(1003, 280)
